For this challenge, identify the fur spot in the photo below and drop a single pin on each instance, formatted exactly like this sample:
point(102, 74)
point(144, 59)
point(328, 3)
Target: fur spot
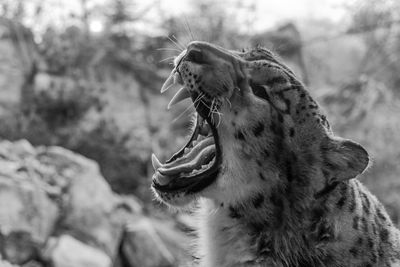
point(380, 215)
point(364, 224)
point(239, 135)
point(374, 229)
point(317, 214)
point(278, 208)
point(263, 244)
point(289, 171)
point(370, 242)
point(258, 200)
point(278, 149)
point(291, 132)
point(352, 205)
point(277, 80)
point(310, 159)
point(328, 260)
point(326, 232)
point(374, 257)
point(233, 213)
point(342, 200)
point(280, 118)
point(384, 235)
point(356, 219)
point(258, 129)
point(353, 251)
point(366, 203)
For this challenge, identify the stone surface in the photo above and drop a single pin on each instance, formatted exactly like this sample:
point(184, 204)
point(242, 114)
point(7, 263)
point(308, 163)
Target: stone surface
point(152, 243)
point(90, 208)
point(56, 208)
point(48, 191)
point(66, 251)
point(27, 214)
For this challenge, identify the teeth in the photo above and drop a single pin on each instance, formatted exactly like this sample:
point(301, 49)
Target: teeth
point(182, 94)
point(162, 180)
point(178, 79)
point(204, 130)
point(155, 162)
point(169, 82)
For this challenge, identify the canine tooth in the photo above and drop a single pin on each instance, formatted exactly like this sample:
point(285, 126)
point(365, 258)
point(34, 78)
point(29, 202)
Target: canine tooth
point(155, 162)
point(163, 180)
point(205, 129)
point(178, 78)
point(169, 82)
point(182, 94)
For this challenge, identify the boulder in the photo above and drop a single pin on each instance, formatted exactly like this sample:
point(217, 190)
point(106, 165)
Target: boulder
point(50, 191)
point(27, 215)
point(152, 243)
point(90, 208)
point(56, 209)
point(66, 251)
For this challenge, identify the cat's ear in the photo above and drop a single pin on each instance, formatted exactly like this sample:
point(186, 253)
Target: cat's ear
point(343, 159)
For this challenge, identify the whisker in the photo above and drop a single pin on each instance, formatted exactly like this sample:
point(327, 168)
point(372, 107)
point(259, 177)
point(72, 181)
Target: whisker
point(229, 102)
point(188, 29)
point(168, 49)
point(176, 39)
point(212, 105)
point(165, 59)
point(220, 114)
point(176, 44)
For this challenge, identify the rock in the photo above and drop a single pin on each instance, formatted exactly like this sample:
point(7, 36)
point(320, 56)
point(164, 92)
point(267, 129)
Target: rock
point(91, 210)
point(56, 208)
point(27, 214)
point(19, 247)
point(152, 243)
point(66, 251)
point(4, 263)
point(51, 190)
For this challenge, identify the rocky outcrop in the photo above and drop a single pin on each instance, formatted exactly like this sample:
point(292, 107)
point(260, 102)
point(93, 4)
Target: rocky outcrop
point(57, 210)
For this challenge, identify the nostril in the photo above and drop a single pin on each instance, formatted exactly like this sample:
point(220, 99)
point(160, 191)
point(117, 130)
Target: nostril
point(195, 56)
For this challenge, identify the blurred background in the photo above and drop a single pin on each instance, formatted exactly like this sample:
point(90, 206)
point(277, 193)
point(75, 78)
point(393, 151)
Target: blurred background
point(81, 112)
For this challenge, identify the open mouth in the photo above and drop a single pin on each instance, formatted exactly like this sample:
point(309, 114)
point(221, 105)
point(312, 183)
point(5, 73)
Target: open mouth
point(196, 165)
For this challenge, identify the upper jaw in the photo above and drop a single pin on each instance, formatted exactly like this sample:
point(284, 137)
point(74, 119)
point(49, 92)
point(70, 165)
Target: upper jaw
point(172, 176)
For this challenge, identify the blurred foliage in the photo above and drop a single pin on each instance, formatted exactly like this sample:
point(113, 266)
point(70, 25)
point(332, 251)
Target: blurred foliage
point(96, 92)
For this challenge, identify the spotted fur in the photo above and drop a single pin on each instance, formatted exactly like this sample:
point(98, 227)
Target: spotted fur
point(286, 195)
